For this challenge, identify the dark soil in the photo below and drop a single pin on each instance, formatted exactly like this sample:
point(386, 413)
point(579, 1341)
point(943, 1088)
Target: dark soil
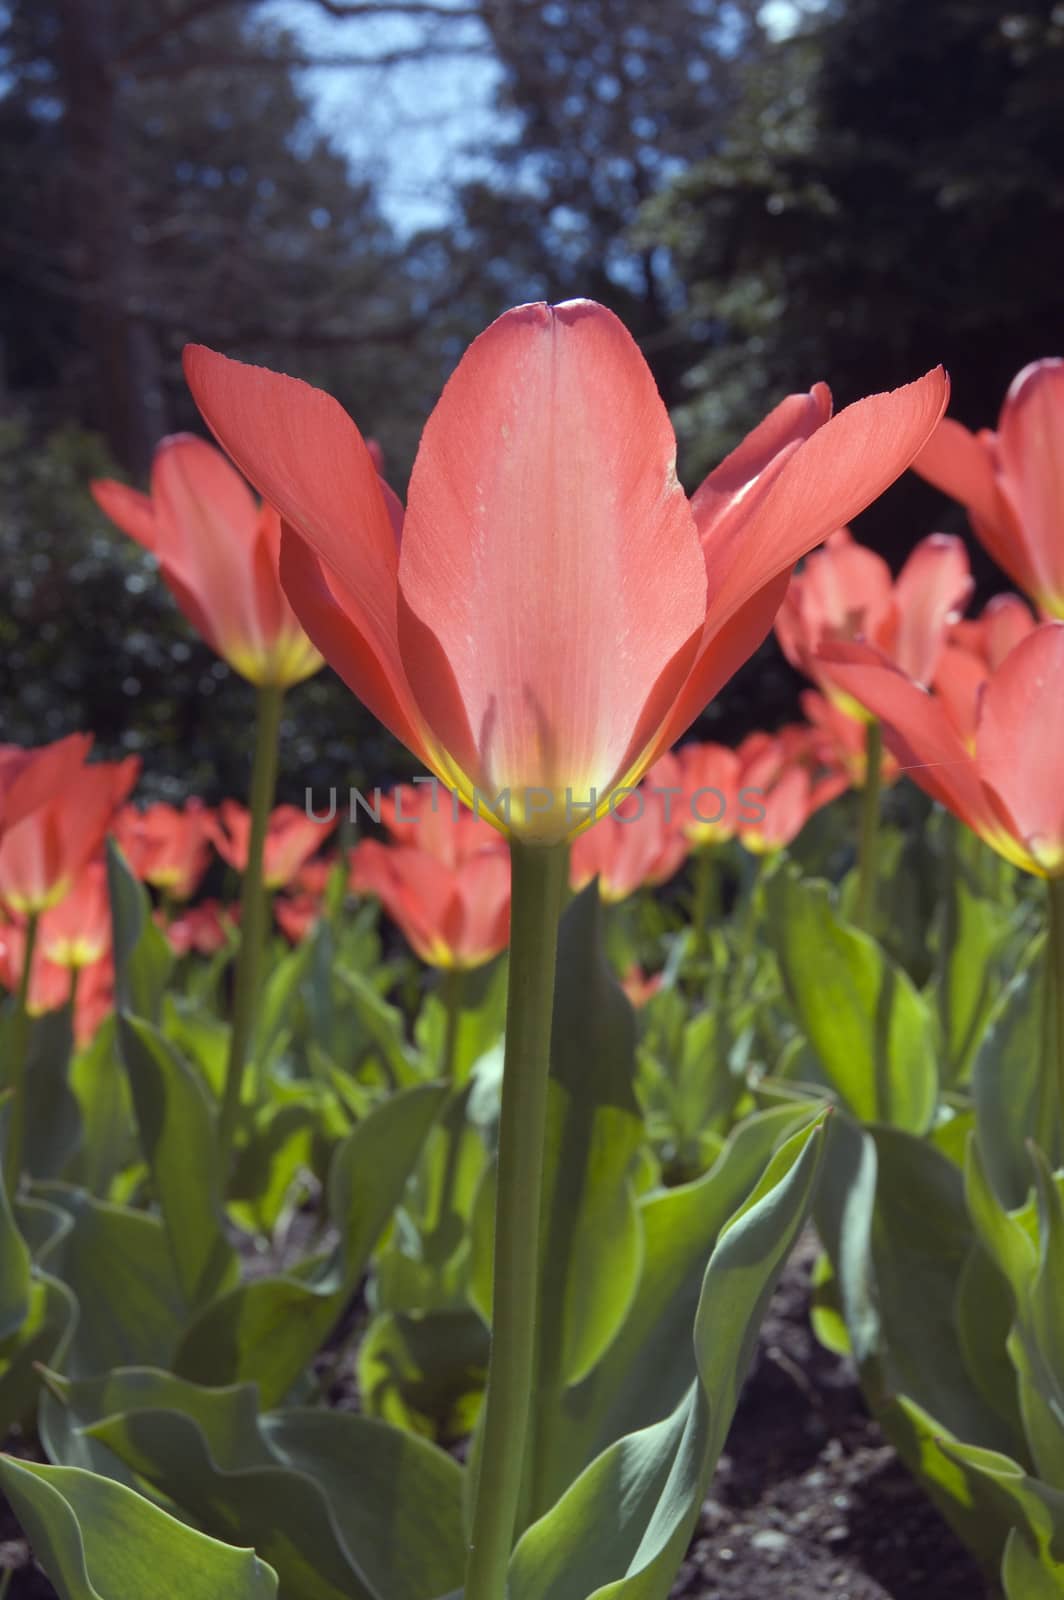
point(808, 1503)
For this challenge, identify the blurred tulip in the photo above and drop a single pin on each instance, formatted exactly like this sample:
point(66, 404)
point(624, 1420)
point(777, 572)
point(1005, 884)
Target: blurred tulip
point(709, 777)
point(218, 553)
point(204, 929)
point(52, 984)
point(297, 914)
point(555, 612)
point(841, 739)
point(452, 916)
point(167, 846)
point(846, 591)
point(1010, 481)
point(433, 819)
point(62, 809)
point(637, 843)
point(291, 839)
point(790, 784)
point(1005, 620)
point(638, 987)
point(30, 779)
point(77, 931)
point(980, 747)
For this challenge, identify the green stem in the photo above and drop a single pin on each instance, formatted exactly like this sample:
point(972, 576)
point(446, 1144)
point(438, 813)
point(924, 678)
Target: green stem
point(868, 845)
point(451, 994)
point(19, 1048)
point(540, 877)
point(704, 907)
point(1053, 1147)
point(252, 915)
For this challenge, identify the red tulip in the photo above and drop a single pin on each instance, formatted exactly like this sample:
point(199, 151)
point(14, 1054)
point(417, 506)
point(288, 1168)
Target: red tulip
point(166, 846)
point(847, 592)
point(842, 742)
point(982, 744)
point(51, 983)
point(432, 819)
point(77, 931)
point(637, 843)
point(555, 612)
point(204, 929)
point(218, 553)
point(638, 987)
point(1010, 481)
point(709, 777)
point(59, 809)
point(291, 839)
point(297, 914)
point(453, 917)
point(786, 775)
point(1004, 622)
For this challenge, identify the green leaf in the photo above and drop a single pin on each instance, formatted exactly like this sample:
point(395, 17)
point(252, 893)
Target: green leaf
point(1006, 1085)
point(973, 940)
point(622, 1528)
point(343, 1508)
point(53, 1118)
point(870, 1029)
point(268, 1330)
point(142, 956)
point(179, 1141)
point(14, 1253)
point(118, 1266)
point(97, 1540)
point(425, 1372)
point(101, 1087)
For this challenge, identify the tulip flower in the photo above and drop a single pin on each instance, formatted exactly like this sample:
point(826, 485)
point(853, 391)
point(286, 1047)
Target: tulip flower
point(51, 985)
point(1009, 481)
point(1005, 620)
point(841, 739)
point(77, 932)
point(218, 552)
point(433, 819)
point(543, 624)
point(845, 591)
point(167, 846)
point(637, 843)
point(555, 612)
point(638, 987)
point(297, 914)
point(709, 777)
point(291, 839)
point(989, 760)
point(454, 917)
point(204, 929)
point(59, 809)
point(789, 791)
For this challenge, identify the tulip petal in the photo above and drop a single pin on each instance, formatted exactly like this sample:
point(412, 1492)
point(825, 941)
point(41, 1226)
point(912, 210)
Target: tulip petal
point(961, 464)
point(550, 553)
point(933, 587)
point(793, 420)
point(335, 623)
point(917, 730)
point(127, 508)
point(839, 470)
point(306, 457)
point(1020, 759)
point(1031, 454)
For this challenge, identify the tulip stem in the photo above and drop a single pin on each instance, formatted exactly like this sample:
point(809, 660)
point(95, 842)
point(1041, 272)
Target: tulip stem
point(18, 1047)
point(252, 916)
point(705, 904)
point(539, 881)
point(868, 846)
point(451, 996)
point(1054, 1065)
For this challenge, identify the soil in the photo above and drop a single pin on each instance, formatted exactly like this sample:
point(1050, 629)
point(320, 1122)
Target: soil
point(809, 1502)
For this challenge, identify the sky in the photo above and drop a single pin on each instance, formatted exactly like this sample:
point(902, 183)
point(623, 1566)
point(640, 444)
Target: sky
point(415, 128)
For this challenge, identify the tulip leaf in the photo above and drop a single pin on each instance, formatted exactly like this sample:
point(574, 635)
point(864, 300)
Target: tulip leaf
point(53, 1118)
point(117, 1264)
point(871, 1031)
point(98, 1540)
point(101, 1087)
point(425, 1372)
point(621, 1529)
point(973, 941)
point(14, 1253)
point(1006, 1083)
point(142, 956)
point(178, 1139)
point(269, 1329)
point(342, 1507)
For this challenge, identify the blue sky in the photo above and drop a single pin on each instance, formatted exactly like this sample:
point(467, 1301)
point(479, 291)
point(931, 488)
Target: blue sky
point(413, 128)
